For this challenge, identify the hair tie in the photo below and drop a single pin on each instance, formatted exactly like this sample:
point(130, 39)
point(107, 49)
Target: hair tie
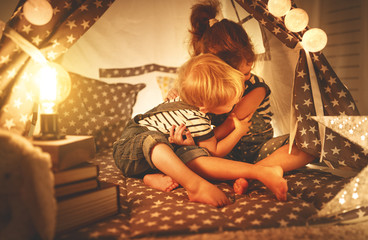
point(212, 21)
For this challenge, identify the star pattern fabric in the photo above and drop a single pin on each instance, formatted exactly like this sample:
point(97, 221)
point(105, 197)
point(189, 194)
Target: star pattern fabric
point(148, 212)
point(337, 152)
point(71, 19)
point(96, 108)
point(135, 71)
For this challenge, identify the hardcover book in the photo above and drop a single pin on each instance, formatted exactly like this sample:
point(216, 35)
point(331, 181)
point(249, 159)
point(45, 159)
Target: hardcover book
point(85, 208)
point(76, 187)
point(68, 152)
point(80, 172)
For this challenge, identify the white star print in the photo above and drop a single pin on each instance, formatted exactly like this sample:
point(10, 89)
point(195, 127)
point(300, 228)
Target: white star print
point(355, 157)
point(85, 24)
point(70, 38)
point(316, 141)
point(283, 223)
point(332, 80)
point(36, 40)
point(71, 24)
point(194, 228)
point(324, 68)
point(312, 129)
point(335, 103)
point(27, 28)
point(330, 136)
point(301, 74)
point(327, 89)
point(9, 123)
point(83, 8)
point(335, 150)
point(307, 102)
point(306, 87)
point(303, 131)
point(305, 144)
point(4, 59)
point(341, 94)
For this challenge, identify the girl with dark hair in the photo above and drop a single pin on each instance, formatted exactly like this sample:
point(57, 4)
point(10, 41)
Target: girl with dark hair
point(230, 42)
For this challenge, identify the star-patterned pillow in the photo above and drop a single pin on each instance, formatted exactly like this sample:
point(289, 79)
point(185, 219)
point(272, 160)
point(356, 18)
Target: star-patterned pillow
point(97, 108)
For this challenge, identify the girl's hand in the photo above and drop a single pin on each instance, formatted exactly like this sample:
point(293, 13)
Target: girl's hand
point(242, 126)
point(172, 94)
point(176, 136)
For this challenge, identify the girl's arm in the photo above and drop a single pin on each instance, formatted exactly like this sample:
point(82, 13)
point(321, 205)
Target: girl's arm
point(224, 146)
point(244, 108)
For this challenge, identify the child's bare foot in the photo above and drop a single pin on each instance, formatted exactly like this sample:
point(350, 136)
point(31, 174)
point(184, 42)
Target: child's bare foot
point(205, 192)
point(240, 186)
point(160, 181)
point(273, 179)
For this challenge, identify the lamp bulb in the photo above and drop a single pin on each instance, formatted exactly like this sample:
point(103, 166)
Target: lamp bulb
point(296, 20)
point(38, 12)
point(314, 40)
point(279, 7)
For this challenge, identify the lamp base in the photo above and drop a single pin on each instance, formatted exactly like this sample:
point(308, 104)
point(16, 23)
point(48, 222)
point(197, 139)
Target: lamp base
point(49, 128)
point(46, 137)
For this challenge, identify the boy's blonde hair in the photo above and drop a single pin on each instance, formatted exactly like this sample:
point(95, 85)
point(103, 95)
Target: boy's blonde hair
point(207, 81)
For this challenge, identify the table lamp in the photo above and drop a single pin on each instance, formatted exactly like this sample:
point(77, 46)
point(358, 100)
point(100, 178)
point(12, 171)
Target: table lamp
point(54, 86)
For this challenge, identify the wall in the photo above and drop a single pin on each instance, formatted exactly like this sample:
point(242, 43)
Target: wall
point(346, 25)
point(6, 9)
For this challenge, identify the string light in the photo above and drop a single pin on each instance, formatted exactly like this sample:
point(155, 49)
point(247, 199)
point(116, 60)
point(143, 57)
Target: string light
point(314, 40)
point(279, 7)
point(296, 20)
point(37, 12)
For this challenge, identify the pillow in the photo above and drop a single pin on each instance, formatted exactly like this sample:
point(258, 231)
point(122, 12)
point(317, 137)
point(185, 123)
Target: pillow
point(148, 98)
point(97, 108)
point(166, 83)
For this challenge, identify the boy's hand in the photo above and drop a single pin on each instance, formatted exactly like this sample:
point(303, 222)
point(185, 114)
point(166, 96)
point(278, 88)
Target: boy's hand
point(242, 126)
point(172, 94)
point(176, 136)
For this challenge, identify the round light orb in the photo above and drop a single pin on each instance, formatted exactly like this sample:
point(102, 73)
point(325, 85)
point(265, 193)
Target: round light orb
point(54, 80)
point(38, 12)
point(314, 40)
point(279, 7)
point(296, 20)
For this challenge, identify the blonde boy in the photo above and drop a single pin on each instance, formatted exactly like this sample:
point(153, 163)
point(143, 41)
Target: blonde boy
point(153, 145)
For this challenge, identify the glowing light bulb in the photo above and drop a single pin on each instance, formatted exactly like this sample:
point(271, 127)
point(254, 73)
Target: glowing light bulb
point(296, 20)
point(355, 195)
point(279, 7)
point(54, 86)
point(38, 12)
point(314, 40)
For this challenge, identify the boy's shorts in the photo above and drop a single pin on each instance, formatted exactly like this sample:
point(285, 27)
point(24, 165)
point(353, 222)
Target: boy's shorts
point(132, 152)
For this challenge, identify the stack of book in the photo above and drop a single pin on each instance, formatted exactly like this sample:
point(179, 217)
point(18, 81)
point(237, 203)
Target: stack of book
point(81, 198)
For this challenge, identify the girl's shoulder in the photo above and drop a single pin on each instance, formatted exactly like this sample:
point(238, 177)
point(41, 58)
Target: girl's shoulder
point(256, 79)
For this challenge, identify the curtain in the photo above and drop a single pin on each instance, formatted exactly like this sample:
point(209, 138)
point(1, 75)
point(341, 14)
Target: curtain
point(317, 91)
point(71, 19)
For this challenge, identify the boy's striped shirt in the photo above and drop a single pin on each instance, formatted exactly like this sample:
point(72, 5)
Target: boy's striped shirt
point(195, 121)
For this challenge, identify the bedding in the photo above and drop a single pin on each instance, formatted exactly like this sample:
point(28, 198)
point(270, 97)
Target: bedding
point(146, 212)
